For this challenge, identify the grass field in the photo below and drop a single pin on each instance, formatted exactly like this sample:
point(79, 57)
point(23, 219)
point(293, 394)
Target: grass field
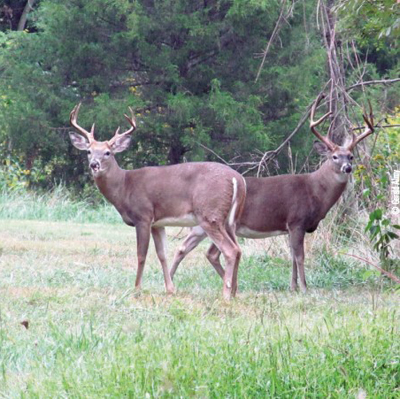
point(90, 335)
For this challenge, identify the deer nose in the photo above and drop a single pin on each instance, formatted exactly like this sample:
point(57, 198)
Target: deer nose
point(94, 164)
point(347, 168)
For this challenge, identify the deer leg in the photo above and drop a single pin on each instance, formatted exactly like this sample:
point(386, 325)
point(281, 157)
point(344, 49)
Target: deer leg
point(231, 252)
point(195, 236)
point(296, 238)
point(142, 238)
point(231, 230)
point(160, 241)
point(293, 284)
point(213, 255)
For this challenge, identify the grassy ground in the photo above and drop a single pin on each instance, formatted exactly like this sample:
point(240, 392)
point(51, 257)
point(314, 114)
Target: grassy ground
point(90, 335)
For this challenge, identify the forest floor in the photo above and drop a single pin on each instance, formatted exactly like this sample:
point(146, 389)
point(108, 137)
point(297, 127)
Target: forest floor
point(71, 324)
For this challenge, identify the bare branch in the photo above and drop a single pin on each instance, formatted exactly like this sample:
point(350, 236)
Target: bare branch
point(373, 82)
point(385, 272)
point(212, 152)
point(272, 38)
point(376, 127)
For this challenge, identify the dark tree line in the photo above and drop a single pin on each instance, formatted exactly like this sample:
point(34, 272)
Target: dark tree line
point(192, 71)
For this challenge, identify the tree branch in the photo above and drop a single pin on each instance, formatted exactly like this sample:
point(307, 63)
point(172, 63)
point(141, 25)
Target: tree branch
point(212, 152)
point(272, 38)
point(376, 127)
point(385, 272)
point(373, 82)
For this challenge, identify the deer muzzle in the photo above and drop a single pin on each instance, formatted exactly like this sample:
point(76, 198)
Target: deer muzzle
point(95, 166)
point(346, 168)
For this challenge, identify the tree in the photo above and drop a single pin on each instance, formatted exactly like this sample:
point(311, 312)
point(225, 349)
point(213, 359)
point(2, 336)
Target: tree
point(187, 67)
point(14, 14)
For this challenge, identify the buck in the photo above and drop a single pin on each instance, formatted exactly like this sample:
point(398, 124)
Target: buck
point(290, 204)
point(206, 194)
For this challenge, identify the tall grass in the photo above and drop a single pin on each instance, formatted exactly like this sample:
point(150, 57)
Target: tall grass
point(90, 335)
point(55, 205)
point(178, 352)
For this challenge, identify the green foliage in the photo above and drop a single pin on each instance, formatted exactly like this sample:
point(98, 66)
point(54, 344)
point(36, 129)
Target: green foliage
point(375, 27)
point(188, 68)
point(376, 20)
point(382, 233)
point(13, 177)
point(374, 181)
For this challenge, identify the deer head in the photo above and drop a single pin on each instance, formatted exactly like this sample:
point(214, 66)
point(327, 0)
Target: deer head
point(100, 153)
point(339, 158)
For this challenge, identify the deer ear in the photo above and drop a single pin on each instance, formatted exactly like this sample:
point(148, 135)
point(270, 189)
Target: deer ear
point(121, 144)
point(321, 148)
point(79, 141)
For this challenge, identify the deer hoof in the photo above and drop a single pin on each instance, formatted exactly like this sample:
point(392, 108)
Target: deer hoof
point(171, 291)
point(227, 295)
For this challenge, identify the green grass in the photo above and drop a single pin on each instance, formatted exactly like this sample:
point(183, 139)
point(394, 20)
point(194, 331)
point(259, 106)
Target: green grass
point(90, 335)
point(55, 205)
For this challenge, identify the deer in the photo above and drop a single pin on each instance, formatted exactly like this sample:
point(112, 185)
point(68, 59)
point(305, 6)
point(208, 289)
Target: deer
point(290, 204)
point(205, 194)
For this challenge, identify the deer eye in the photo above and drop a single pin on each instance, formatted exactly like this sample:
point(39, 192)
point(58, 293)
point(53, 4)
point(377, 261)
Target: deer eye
point(89, 152)
point(335, 157)
point(107, 153)
point(351, 157)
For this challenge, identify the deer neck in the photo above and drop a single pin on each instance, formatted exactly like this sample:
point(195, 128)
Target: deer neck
point(110, 182)
point(329, 185)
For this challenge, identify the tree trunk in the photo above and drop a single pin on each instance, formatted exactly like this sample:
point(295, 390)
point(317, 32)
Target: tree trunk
point(337, 100)
point(176, 152)
point(24, 17)
point(340, 123)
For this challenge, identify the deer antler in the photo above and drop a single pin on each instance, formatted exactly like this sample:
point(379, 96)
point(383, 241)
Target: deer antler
point(369, 128)
point(132, 121)
point(73, 120)
point(313, 124)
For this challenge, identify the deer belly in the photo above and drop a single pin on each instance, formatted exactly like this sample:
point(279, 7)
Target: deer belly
point(245, 232)
point(188, 220)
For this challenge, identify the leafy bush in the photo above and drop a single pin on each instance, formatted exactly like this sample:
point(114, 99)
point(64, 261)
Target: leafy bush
point(14, 177)
point(373, 180)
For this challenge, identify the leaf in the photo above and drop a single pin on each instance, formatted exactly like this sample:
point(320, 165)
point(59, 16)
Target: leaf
point(374, 230)
point(366, 192)
point(369, 273)
point(384, 179)
point(369, 225)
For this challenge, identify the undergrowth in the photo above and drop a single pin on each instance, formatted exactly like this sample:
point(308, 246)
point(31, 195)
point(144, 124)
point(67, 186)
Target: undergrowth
point(55, 205)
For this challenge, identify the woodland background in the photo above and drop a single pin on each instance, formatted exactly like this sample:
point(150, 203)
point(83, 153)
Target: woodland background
point(227, 81)
point(195, 73)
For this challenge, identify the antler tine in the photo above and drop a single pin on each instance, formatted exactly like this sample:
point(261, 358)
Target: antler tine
point(369, 128)
point(73, 120)
point(132, 122)
point(313, 123)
